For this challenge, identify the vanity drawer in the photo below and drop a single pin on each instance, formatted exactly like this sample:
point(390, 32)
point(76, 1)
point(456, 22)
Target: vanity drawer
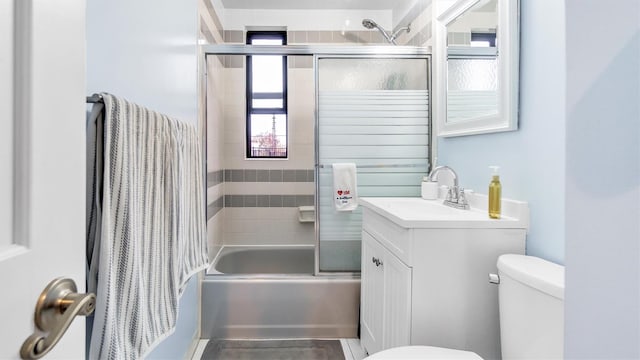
point(393, 237)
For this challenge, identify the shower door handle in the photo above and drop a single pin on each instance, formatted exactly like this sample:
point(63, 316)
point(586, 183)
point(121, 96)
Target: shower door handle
point(57, 306)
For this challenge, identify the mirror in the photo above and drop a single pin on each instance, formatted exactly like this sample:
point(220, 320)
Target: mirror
point(477, 67)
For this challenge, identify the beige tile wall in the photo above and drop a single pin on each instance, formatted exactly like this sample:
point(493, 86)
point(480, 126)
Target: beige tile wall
point(215, 151)
point(301, 103)
point(266, 226)
point(226, 130)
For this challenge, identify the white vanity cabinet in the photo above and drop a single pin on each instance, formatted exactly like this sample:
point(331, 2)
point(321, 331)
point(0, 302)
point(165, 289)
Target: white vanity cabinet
point(425, 275)
point(386, 284)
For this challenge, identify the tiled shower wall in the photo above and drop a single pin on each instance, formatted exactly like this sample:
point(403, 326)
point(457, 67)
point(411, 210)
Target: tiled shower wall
point(215, 155)
point(420, 18)
point(262, 196)
point(212, 32)
point(255, 202)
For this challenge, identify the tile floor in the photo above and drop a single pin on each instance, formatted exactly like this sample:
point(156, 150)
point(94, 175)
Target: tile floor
point(351, 348)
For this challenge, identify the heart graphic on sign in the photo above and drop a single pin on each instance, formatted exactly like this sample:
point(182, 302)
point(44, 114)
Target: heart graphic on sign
point(339, 192)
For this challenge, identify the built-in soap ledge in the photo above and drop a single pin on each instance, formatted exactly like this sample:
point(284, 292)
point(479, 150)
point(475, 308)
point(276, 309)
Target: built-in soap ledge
point(306, 214)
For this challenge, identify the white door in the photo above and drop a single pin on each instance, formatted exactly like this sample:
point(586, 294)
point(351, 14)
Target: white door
point(42, 157)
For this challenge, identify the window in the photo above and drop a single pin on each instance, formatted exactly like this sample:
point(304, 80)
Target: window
point(483, 39)
point(267, 98)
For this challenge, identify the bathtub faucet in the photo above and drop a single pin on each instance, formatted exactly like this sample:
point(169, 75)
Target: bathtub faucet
point(455, 195)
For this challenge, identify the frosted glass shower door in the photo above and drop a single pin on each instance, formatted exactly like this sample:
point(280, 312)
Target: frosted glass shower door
point(375, 113)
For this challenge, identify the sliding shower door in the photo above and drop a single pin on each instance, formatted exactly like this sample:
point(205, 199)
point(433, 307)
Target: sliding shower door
point(373, 112)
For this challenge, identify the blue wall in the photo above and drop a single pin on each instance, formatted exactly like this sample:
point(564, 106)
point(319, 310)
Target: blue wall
point(602, 295)
point(532, 159)
point(177, 345)
point(146, 52)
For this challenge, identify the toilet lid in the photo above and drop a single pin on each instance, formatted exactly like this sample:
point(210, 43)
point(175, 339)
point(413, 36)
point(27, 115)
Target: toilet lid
point(423, 352)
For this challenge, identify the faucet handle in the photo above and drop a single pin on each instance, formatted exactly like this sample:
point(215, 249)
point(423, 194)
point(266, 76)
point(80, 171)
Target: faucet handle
point(462, 198)
point(455, 194)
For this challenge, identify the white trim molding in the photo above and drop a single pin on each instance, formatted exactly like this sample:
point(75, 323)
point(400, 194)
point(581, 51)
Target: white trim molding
point(508, 37)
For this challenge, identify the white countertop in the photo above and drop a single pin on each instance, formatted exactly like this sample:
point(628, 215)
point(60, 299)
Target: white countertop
point(419, 213)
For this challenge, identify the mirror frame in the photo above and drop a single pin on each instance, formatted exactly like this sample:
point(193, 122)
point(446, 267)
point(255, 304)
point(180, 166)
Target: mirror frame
point(508, 34)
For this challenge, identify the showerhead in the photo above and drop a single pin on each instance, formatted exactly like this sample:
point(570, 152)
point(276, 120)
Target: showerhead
point(369, 24)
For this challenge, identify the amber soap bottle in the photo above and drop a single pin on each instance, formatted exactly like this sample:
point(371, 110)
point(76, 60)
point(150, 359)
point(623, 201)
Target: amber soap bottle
point(495, 193)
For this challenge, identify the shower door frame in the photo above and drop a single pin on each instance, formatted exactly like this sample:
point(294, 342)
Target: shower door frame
point(322, 52)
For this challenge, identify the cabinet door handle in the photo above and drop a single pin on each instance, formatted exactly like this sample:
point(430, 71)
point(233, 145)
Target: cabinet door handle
point(378, 262)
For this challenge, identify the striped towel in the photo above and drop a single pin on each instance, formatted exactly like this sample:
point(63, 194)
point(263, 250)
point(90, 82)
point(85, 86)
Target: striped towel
point(150, 235)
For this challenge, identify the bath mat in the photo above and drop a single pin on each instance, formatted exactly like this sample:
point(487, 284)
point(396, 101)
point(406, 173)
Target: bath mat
point(273, 350)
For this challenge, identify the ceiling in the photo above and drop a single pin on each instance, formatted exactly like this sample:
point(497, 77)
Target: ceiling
point(317, 4)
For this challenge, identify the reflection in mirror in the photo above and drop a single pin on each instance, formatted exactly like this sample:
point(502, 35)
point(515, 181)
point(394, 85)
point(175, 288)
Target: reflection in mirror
point(476, 67)
point(472, 76)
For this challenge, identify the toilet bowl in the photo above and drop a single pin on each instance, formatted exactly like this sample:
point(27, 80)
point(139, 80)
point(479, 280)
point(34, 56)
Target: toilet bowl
point(424, 352)
point(531, 303)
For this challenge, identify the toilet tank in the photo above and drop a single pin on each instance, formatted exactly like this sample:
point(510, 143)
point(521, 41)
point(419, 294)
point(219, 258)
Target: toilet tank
point(531, 298)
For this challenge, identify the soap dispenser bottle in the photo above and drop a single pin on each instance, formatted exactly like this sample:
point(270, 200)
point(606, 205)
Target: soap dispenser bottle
point(495, 194)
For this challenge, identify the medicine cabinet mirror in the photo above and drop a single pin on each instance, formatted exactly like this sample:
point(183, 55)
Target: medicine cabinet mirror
point(477, 56)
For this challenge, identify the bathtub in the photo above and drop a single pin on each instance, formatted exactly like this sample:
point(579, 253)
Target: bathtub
point(267, 292)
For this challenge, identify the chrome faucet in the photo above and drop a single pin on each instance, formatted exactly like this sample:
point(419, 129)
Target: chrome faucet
point(455, 195)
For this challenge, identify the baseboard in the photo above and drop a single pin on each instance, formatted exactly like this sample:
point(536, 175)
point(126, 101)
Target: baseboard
point(193, 346)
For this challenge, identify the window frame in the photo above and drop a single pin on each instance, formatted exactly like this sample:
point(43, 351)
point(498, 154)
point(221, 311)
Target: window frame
point(250, 110)
point(487, 36)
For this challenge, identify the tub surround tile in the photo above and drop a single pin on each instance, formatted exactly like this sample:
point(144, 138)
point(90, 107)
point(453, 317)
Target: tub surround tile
point(288, 200)
point(237, 175)
point(298, 37)
point(214, 178)
point(263, 176)
point(313, 36)
point(260, 188)
point(234, 36)
point(237, 200)
point(325, 37)
point(262, 200)
point(214, 193)
point(214, 208)
point(250, 200)
point(271, 201)
point(250, 175)
point(275, 175)
point(289, 176)
point(301, 176)
point(275, 200)
point(305, 200)
point(269, 188)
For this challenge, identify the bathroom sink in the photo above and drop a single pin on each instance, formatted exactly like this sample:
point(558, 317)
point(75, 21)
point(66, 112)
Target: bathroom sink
point(419, 213)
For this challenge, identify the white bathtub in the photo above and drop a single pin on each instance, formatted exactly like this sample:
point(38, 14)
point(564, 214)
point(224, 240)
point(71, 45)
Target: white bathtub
point(243, 260)
point(270, 292)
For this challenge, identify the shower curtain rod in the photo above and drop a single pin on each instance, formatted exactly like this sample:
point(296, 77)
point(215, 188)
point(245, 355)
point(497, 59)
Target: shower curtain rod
point(369, 50)
point(379, 166)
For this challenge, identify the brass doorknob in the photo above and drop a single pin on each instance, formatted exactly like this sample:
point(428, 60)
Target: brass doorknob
point(57, 306)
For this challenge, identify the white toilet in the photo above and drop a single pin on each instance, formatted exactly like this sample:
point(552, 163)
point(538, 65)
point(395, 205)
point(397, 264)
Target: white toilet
point(531, 302)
